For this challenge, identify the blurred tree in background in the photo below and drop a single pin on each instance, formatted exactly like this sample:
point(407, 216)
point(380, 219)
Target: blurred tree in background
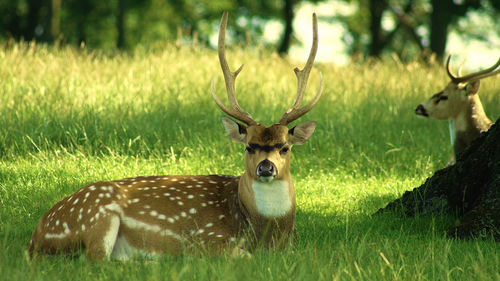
point(409, 28)
point(404, 27)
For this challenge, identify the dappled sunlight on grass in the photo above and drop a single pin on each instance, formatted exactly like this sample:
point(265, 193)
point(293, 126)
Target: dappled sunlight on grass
point(70, 117)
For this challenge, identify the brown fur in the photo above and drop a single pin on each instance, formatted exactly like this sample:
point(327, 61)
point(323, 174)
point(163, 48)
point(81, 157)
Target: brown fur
point(459, 103)
point(172, 214)
point(168, 214)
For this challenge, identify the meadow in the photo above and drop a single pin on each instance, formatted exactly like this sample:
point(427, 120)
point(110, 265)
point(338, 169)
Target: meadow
point(69, 117)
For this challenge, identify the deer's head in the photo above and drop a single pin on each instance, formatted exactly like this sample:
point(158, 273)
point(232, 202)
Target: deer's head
point(268, 148)
point(456, 96)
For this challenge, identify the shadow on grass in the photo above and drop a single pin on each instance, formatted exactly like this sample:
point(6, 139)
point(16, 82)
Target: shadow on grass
point(324, 228)
point(126, 130)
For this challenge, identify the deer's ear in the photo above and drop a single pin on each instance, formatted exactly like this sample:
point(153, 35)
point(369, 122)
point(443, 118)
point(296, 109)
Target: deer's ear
point(236, 131)
point(472, 87)
point(301, 133)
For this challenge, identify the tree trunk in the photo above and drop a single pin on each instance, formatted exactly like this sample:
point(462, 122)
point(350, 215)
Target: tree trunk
point(80, 18)
point(470, 188)
point(377, 8)
point(54, 19)
point(32, 22)
point(440, 20)
point(287, 34)
point(120, 24)
point(51, 20)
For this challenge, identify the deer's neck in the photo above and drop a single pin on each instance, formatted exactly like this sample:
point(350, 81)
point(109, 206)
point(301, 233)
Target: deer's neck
point(269, 207)
point(468, 124)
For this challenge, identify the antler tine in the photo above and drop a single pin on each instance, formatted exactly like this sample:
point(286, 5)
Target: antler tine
point(452, 77)
point(291, 115)
point(229, 77)
point(302, 76)
point(473, 76)
point(485, 73)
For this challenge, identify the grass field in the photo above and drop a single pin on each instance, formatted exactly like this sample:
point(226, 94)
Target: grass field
point(70, 117)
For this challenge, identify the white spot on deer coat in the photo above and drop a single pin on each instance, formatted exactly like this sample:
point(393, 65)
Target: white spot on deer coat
point(55, 235)
point(139, 225)
point(109, 238)
point(66, 228)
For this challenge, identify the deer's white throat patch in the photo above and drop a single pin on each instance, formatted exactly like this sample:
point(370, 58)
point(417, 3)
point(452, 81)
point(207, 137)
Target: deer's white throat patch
point(453, 133)
point(272, 198)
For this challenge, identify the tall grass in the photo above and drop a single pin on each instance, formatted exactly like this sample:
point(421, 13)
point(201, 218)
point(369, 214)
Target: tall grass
point(69, 117)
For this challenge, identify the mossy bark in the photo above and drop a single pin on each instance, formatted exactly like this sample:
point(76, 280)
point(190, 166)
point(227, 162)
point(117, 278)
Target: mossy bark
point(470, 188)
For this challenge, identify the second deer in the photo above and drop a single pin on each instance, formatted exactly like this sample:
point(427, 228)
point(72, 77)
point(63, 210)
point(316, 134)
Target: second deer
point(459, 103)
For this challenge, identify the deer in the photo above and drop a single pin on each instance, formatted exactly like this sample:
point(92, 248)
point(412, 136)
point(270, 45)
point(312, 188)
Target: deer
point(178, 214)
point(459, 103)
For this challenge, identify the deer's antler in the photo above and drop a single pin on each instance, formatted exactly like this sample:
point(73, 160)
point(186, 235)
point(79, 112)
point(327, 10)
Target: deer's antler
point(473, 76)
point(295, 112)
point(229, 77)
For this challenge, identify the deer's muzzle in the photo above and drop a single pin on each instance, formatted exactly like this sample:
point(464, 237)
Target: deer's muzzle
point(266, 170)
point(420, 110)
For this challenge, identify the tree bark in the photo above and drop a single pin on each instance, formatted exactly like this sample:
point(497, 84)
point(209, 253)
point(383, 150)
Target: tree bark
point(377, 44)
point(82, 9)
point(440, 20)
point(287, 33)
point(32, 20)
point(120, 24)
point(470, 188)
point(55, 10)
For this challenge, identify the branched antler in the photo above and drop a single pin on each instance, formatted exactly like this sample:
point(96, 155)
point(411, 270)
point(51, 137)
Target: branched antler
point(294, 112)
point(473, 76)
point(229, 77)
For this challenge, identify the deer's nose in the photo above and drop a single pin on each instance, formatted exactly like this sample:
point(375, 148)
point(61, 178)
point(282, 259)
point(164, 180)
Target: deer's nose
point(420, 110)
point(266, 169)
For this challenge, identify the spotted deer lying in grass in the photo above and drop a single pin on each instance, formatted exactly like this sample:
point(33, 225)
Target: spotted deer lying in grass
point(459, 103)
point(169, 214)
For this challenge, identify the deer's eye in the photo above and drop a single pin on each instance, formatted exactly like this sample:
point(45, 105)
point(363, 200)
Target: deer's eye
point(284, 150)
point(441, 98)
point(250, 150)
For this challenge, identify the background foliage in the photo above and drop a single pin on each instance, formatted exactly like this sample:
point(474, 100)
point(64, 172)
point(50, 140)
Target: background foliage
point(407, 28)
